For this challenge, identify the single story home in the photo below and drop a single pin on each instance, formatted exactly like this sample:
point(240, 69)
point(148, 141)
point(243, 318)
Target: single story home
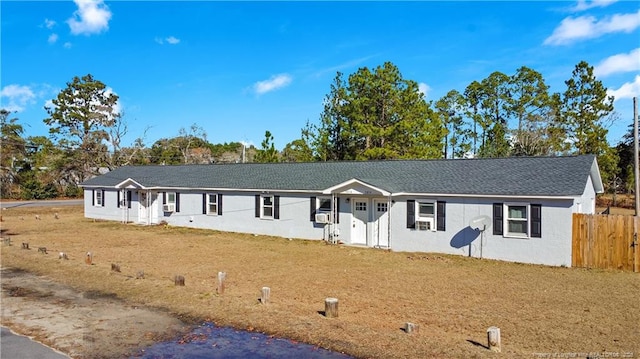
point(514, 209)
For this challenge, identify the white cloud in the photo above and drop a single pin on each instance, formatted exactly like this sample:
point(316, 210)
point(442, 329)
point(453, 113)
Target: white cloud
point(274, 83)
point(588, 27)
point(424, 88)
point(586, 4)
point(67, 45)
point(619, 63)
point(49, 24)
point(627, 90)
point(92, 17)
point(52, 38)
point(18, 97)
point(172, 40)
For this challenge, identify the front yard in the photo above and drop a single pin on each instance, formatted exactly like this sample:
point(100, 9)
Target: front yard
point(540, 310)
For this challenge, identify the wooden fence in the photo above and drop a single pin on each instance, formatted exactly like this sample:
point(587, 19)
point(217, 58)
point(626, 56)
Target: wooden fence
point(606, 242)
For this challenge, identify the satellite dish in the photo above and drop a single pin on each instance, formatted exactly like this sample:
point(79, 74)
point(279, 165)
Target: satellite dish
point(480, 223)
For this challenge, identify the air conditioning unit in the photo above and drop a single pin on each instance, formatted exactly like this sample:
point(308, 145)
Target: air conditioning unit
point(169, 208)
point(323, 217)
point(425, 224)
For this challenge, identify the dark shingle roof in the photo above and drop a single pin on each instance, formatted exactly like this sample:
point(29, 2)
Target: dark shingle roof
point(521, 176)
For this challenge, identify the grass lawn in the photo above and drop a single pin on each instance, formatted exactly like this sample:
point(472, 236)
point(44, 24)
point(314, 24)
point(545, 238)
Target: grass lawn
point(540, 310)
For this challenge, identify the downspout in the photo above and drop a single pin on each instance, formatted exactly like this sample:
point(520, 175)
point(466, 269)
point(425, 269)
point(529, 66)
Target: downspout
point(389, 201)
point(123, 204)
point(148, 199)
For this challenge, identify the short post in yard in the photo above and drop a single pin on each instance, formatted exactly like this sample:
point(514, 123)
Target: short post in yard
point(493, 338)
point(331, 307)
point(266, 294)
point(221, 278)
point(411, 328)
point(88, 258)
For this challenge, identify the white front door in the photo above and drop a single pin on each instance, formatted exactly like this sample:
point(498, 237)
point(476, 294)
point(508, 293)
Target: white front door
point(381, 223)
point(143, 211)
point(155, 209)
point(359, 218)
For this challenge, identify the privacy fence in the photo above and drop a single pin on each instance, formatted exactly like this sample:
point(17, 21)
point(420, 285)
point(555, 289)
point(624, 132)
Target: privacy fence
point(606, 242)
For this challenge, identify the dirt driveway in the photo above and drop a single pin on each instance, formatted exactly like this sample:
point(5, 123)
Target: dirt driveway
point(80, 324)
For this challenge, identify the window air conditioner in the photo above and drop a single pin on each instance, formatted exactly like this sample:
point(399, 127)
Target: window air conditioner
point(323, 217)
point(425, 224)
point(169, 208)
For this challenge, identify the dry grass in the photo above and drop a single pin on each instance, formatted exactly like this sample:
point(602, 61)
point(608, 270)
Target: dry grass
point(453, 299)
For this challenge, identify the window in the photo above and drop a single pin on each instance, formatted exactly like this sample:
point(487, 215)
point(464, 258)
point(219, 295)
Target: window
point(267, 207)
point(170, 202)
point(324, 204)
point(212, 204)
point(99, 198)
point(426, 215)
point(426, 210)
point(382, 207)
point(518, 220)
point(361, 206)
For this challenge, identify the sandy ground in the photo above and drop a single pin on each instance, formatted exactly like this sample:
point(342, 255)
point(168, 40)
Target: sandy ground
point(80, 324)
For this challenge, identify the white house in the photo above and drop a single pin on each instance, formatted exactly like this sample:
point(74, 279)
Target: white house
point(524, 204)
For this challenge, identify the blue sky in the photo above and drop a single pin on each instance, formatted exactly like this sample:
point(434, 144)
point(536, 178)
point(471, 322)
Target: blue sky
point(237, 69)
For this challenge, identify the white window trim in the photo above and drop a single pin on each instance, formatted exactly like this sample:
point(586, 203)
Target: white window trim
point(98, 198)
point(209, 197)
point(262, 206)
point(505, 220)
point(174, 198)
point(429, 219)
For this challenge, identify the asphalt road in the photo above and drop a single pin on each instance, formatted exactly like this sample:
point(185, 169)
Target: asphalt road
point(13, 346)
point(53, 203)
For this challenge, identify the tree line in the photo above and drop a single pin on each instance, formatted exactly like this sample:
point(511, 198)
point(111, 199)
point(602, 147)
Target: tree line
point(372, 114)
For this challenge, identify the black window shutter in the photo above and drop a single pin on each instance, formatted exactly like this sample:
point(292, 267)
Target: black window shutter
point(312, 209)
point(219, 204)
point(337, 209)
point(164, 197)
point(276, 207)
point(118, 199)
point(497, 219)
point(177, 202)
point(257, 206)
point(442, 216)
point(536, 220)
point(411, 213)
point(93, 197)
point(204, 203)
point(103, 198)
point(128, 199)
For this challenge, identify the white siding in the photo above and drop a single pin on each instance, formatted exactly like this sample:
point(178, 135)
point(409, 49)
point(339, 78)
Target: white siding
point(238, 215)
point(553, 248)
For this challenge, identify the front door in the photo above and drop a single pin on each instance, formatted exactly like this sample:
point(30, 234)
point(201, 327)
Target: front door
point(143, 210)
point(359, 218)
point(381, 223)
